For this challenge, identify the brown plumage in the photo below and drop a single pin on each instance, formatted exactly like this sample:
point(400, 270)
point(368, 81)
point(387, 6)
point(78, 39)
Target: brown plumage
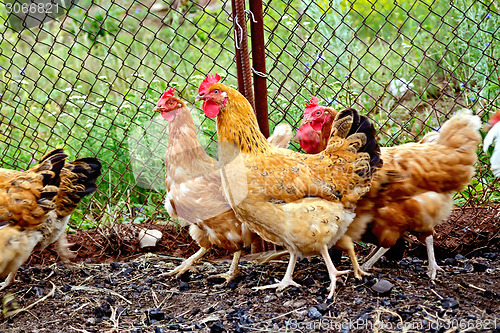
point(414, 189)
point(193, 186)
point(301, 202)
point(27, 196)
point(78, 179)
point(36, 206)
point(27, 201)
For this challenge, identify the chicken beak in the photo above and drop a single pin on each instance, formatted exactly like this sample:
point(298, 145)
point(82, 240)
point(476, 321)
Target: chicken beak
point(157, 109)
point(199, 98)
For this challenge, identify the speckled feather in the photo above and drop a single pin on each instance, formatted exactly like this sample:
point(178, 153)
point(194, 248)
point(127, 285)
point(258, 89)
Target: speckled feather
point(413, 190)
point(287, 190)
point(194, 189)
point(27, 196)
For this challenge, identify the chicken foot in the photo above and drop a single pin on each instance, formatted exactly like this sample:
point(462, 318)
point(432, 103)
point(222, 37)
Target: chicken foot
point(332, 271)
point(433, 266)
point(186, 264)
point(287, 279)
point(8, 280)
point(346, 243)
point(63, 249)
point(232, 272)
point(374, 258)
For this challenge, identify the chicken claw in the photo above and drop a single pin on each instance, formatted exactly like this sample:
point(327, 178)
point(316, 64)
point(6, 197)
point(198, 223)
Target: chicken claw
point(433, 266)
point(186, 264)
point(8, 280)
point(231, 273)
point(287, 279)
point(63, 249)
point(373, 258)
point(332, 271)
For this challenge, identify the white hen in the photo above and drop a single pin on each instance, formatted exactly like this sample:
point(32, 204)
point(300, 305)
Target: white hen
point(493, 136)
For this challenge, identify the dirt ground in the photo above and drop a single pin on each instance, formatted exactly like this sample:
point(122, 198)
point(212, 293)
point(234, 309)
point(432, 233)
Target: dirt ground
point(114, 287)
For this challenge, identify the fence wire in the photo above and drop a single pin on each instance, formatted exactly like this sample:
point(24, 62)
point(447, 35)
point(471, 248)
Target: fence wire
point(88, 82)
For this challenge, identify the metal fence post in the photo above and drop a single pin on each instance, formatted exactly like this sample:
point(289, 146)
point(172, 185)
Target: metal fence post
point(241, 48)
point(259, 65)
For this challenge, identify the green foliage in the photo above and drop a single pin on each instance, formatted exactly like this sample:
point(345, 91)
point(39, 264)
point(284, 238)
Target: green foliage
point(91, 85)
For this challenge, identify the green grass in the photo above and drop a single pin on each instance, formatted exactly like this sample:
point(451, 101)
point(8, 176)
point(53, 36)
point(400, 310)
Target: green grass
point(90, 86)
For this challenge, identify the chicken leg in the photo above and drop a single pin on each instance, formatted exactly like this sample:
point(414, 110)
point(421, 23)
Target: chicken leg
point(232, 272)
point(332, 271)
point(186, 264)
point(347, 244)
point(287, 279)
point(8, 280)
point(374, 258)
point(63, 249)
point(433, 266)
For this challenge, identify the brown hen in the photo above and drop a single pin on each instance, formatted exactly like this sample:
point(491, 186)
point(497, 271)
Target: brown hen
point(420, 198)
point(35, 207)
point(194, 188)
point(301, 202)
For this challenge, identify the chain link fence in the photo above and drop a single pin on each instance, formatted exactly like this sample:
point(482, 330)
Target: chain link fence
point(88, 82)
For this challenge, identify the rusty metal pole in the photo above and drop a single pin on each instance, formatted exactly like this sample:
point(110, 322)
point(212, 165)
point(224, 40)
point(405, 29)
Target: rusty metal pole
point(259, 65)
point(242, 55)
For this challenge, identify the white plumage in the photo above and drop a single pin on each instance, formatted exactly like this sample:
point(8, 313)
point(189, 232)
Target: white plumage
point(493, 136)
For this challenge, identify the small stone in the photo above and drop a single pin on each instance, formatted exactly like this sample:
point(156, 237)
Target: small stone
point(480, 266)
point(449, 303)
point(358, 301)
point(382, 286)
point(322, 308)
point(385, 302)
point(149, 238)
point(159, 330)
point(308, 282)
point(155, 314)
point(217, 327)
point(450, 261)
point(115, 265)
point(184, 285)
point(313, 313)
point(459, 257)
point(233, 284)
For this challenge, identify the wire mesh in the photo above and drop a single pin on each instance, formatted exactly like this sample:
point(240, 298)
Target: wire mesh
point(88, 80)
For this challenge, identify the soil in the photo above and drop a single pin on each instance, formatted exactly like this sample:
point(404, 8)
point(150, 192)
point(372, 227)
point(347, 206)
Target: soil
point(114, 287)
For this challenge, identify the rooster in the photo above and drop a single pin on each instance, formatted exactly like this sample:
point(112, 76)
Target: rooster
point(433, 170)
point(493, 128)
point(301, 202)
point(194, 188)
point(50, 192)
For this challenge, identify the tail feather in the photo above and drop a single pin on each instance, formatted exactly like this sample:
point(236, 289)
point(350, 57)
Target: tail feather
point(28, 196)
point(78, 179)
point(50, 167)
point(461, 131)
point(350, 124)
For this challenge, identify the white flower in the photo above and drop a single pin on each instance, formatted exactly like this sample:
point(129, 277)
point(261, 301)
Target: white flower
point(398, 87)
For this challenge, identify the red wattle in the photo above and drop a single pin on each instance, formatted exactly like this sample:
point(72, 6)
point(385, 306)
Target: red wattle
point(169, 116)
point(210, 108)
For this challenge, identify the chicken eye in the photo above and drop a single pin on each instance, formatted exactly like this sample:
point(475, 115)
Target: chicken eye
point(216, 91)
point(318, 113)
point(171, 103)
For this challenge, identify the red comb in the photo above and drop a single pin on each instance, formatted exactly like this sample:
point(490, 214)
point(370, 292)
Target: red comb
point(207, 82)
point(313, 103)
point(168, 93)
